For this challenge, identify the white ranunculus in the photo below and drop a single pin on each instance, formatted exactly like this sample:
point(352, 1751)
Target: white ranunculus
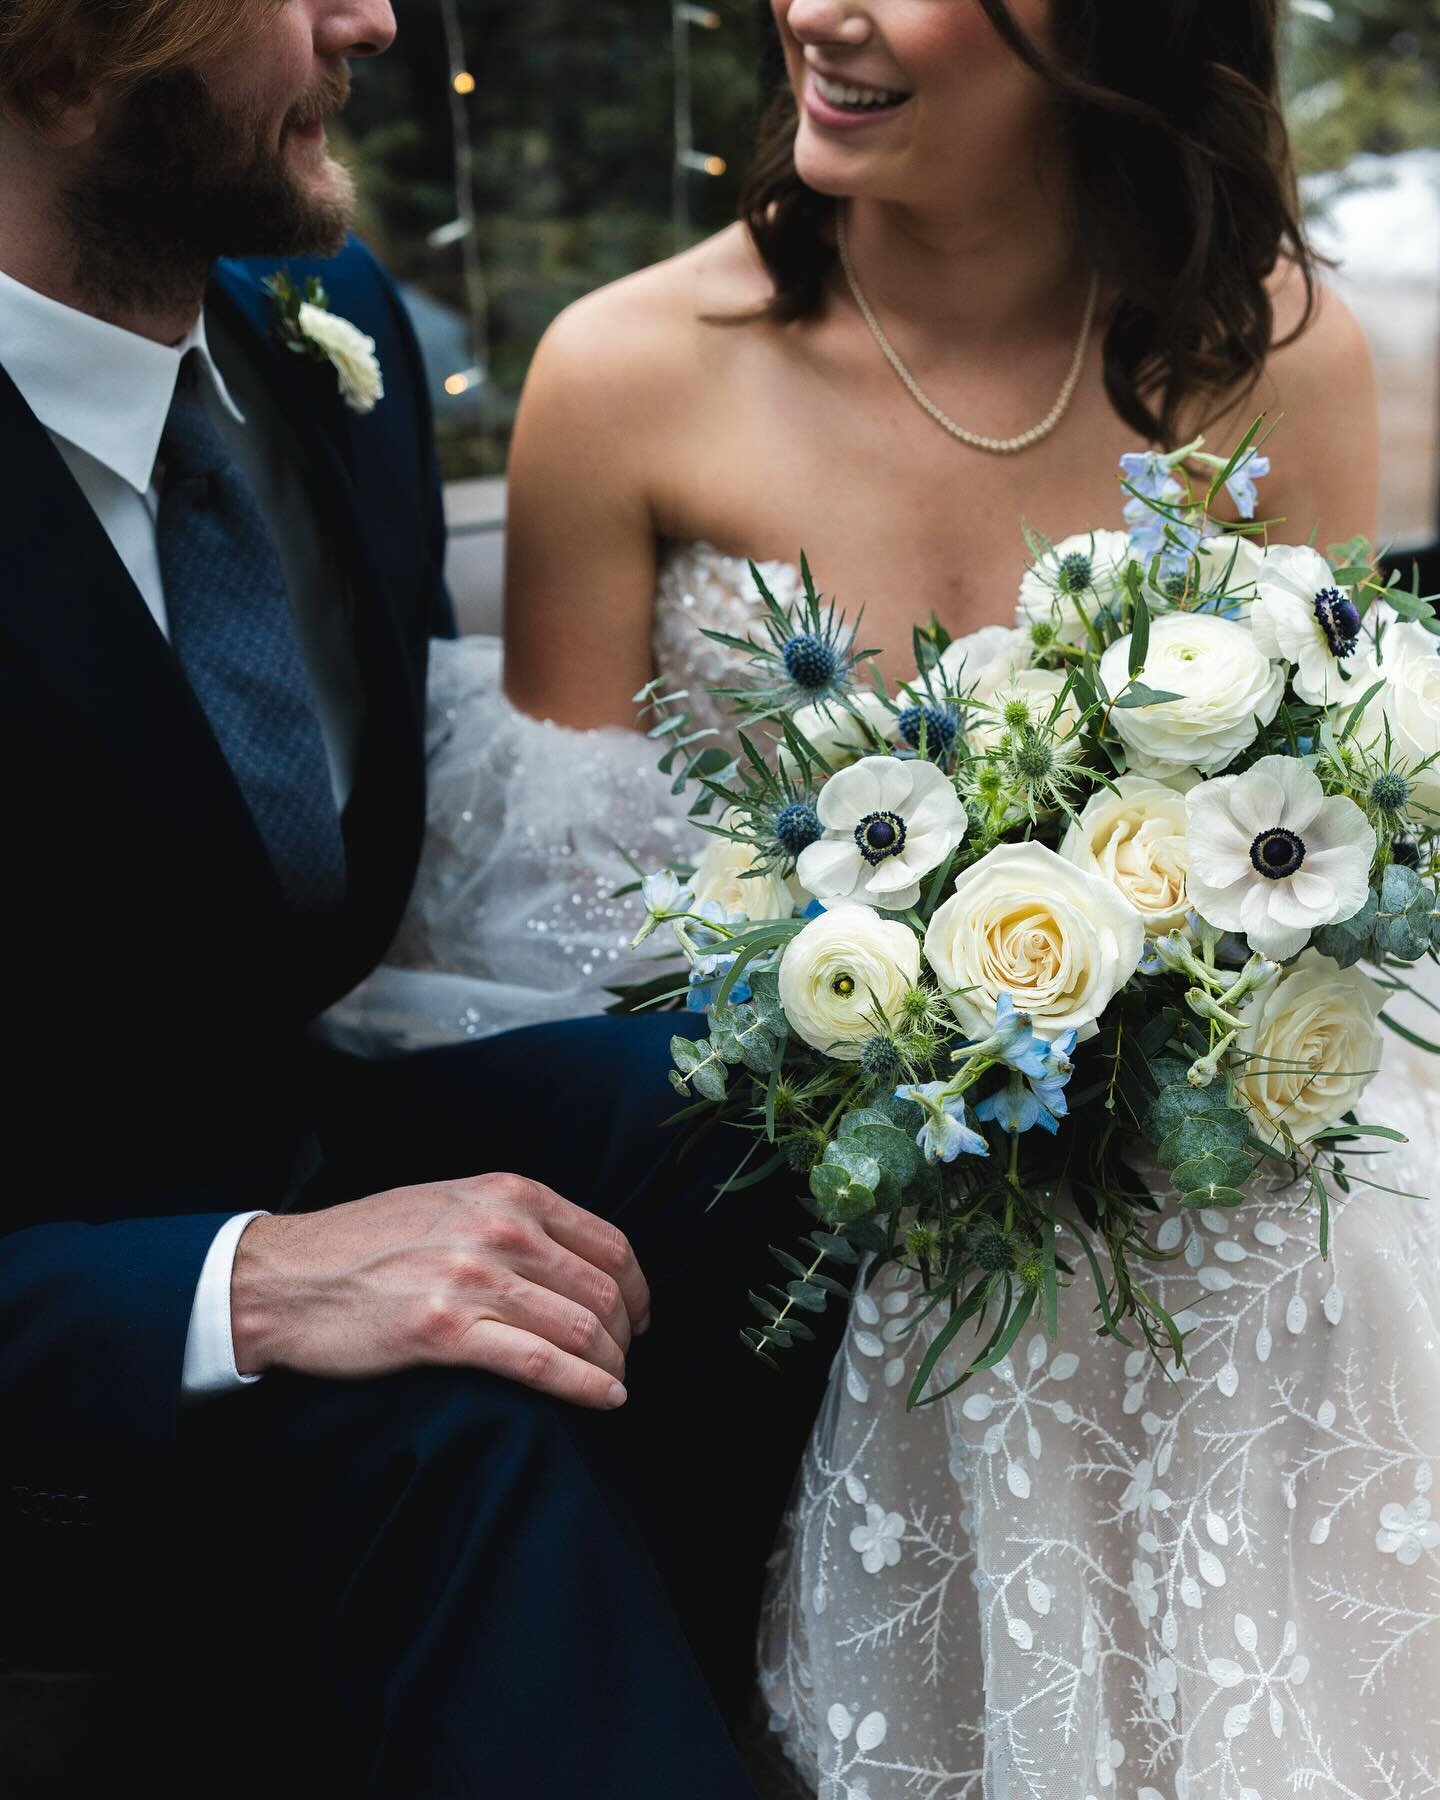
point(1409, 703)
point(1023, 921)
point(1299, 616)
point(888, 823)
point(1271, 857)
point(1135, 839)
point(1075, 577)
point(722, 875)
point(1038, 689)
point(965, 659)
point(1310, 1046)
point(845, 972)
point(1225, 684)
point(350, 352)
point(837, 735)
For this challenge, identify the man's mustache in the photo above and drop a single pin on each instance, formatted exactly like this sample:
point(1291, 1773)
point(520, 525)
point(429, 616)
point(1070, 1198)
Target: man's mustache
point(329, 97)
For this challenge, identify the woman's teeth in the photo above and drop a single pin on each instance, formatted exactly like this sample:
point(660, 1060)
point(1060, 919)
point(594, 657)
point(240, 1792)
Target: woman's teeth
point(838, 93)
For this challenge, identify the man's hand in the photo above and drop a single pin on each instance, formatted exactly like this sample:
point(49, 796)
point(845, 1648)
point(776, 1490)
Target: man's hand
point(494, 1273)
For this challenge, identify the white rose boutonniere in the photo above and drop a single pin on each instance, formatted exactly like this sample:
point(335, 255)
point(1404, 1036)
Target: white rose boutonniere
point(1022, 921)
point(309, 328)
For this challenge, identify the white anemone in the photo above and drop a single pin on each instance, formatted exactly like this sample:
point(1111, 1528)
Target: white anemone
point(1271, 857)
point(887, 824)
point(1299, 616)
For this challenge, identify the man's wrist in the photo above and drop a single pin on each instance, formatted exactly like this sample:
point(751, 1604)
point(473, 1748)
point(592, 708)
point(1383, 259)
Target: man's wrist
point(256, 1308)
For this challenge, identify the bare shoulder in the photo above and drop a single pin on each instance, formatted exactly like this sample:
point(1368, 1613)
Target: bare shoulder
point(644, 337)
point(1317, 391)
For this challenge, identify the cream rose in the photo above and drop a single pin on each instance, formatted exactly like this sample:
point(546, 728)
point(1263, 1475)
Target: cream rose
point(842, 973)
point(1224, 684)
point(350, 352)
point(722, 875)
point(967, 658)
point(1135, 839)
point(1025, 922)
point(1409, 702)
point(1309, 1049)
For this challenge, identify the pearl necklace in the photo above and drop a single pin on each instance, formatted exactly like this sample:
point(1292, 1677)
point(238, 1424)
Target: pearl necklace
point(997, 446)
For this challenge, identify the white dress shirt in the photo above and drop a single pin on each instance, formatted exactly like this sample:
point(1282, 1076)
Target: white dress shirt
point(104, 395)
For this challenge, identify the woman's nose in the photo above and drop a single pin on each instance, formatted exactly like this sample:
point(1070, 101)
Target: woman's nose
point(829, 22)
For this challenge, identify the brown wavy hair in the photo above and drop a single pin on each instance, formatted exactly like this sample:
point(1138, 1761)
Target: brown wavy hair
point(1183, 185)
point(112, 43)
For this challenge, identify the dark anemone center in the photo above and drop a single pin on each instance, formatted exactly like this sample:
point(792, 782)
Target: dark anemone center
point(879, 835)
point(1077, 573)
point(1339, 620)
point(1277, 853)
point(809, 661)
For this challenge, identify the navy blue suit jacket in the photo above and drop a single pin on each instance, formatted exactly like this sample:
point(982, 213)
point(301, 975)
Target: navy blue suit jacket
point(157, 989)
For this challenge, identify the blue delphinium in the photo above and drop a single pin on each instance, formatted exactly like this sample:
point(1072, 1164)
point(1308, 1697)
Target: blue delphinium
point(1241, 485)
point(944, 1135)
point(1033, 1099)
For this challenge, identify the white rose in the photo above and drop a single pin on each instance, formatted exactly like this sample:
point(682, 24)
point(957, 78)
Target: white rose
point(351, 353)
point(1135, 839)
point(837, 735)
point(722, 875)
point(845, 972)
point(1224, 682)
point(1080, 572)
point(992, 646)
point(1409, 702)
point(1038, 689)
point(1024, 922)
point(1310, 1047)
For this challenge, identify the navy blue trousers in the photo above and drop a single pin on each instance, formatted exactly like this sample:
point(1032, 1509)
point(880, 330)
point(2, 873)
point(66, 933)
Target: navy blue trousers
point(441, 1584)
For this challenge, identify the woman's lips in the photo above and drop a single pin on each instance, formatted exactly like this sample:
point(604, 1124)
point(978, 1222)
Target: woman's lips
point(837, 118)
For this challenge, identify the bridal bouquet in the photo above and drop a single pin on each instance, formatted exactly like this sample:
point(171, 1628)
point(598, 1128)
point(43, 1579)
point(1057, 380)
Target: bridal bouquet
point(1069, 921)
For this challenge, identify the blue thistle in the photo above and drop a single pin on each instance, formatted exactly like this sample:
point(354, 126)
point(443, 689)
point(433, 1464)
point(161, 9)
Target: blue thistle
point(1389, 792)
point(1076, 574)
point(939, 727)
point(797, 826)
point(809, 661)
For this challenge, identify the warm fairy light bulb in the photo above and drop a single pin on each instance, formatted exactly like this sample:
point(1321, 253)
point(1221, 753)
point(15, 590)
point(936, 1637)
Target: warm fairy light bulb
point(715, 165)
point(464, 82)
point(456, 384)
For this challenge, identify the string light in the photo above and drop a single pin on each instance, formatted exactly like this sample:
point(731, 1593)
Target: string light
point(461, 229)
point(688, 160)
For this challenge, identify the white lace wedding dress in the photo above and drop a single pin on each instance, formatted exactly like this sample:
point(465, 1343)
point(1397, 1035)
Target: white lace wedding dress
point(1080, 1577)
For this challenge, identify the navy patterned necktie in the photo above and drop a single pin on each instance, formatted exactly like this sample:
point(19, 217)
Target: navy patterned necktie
point(230, 626)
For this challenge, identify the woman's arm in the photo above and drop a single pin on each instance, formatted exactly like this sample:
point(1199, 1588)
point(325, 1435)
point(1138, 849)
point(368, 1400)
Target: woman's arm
point(580, 545)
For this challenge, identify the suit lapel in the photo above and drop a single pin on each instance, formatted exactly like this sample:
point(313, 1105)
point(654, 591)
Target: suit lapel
point(80, 628)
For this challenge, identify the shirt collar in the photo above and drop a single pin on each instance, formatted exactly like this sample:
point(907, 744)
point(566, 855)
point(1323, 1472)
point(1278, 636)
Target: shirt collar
point(105, 390)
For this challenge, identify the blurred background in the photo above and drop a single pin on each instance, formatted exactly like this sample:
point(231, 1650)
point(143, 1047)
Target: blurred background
point(514, 156)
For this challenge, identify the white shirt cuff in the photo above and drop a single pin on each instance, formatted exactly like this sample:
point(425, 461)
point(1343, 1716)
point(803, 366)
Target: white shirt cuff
point(209, 1366)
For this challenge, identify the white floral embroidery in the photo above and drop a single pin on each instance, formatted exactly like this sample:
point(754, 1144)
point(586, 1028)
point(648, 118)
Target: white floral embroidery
point(1406, 1532)
point(878, 1539)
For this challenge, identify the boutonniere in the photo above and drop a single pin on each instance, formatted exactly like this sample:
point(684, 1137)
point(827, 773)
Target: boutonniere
point(307, 326)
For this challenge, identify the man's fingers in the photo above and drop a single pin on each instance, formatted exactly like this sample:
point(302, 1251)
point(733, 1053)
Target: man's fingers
point(552, 1266)
point(521, 1356)
point(606, 1248)
point(570, 1327)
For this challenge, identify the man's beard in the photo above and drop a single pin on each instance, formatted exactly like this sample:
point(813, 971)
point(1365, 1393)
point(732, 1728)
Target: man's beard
point(182, 182)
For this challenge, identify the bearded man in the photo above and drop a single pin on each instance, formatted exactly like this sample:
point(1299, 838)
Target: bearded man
point(312, 1432)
